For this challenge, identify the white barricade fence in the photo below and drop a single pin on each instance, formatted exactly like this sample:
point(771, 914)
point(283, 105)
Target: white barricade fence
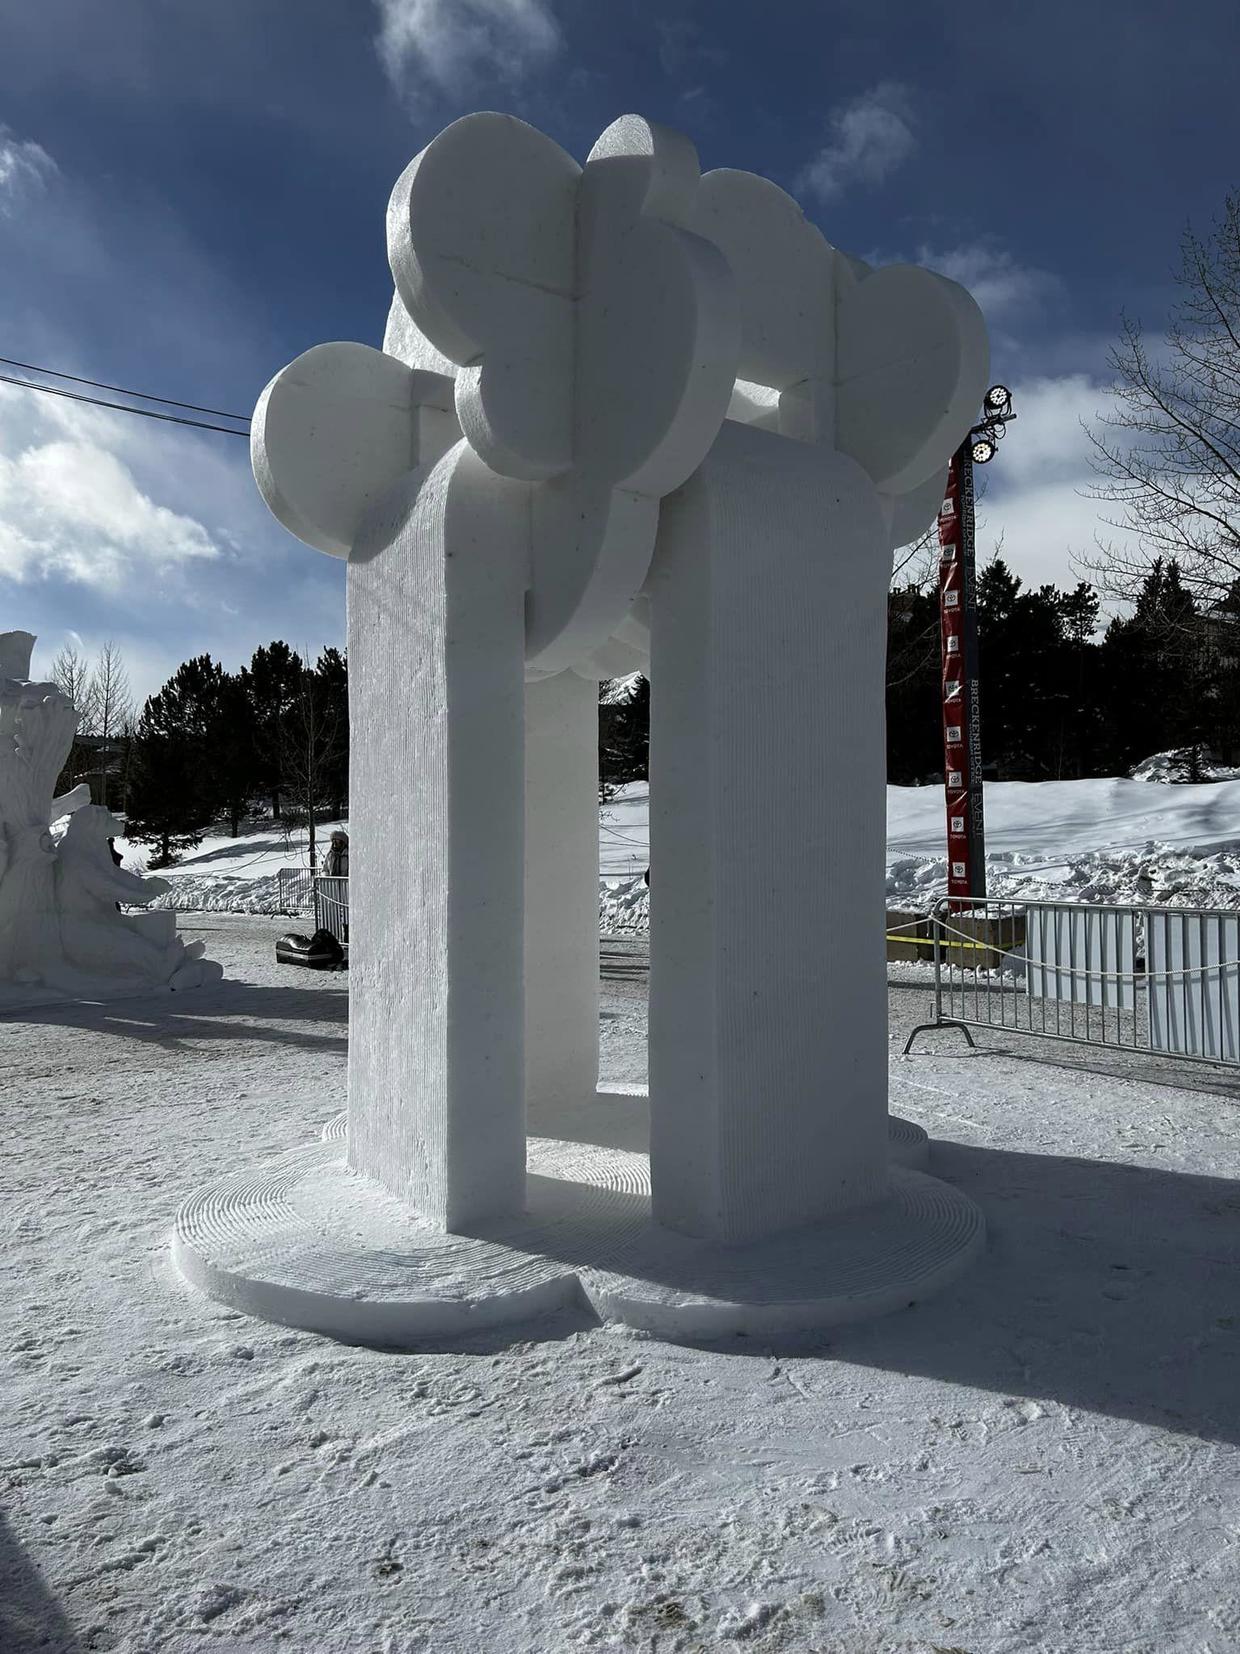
point(1195, 1008)
point(1156, 979)
point(295, 886)
point(331, 905)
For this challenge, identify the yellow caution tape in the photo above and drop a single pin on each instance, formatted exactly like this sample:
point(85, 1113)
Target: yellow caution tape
point(929, 942)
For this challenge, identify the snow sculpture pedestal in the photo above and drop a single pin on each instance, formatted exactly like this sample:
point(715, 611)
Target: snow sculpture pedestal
point(623, 413)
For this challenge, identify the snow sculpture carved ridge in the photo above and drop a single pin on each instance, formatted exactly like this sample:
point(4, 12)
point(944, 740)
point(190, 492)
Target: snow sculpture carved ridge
point(60, 927)
point(587, 330)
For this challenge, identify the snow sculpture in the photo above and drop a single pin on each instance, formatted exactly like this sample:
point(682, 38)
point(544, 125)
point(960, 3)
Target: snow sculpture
point(60, 927)
point(624, 415)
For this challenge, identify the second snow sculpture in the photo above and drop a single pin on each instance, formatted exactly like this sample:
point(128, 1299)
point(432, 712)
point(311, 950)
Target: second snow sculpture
point(624, 414)
point(60, 926)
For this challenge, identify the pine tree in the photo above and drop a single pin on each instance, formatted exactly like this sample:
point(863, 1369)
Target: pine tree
point(171, 796)
point(274, 683)
point(315, 739)
point(1156, 676)
point(914, 725)
point(332, 670)
point(624, 732)
point(233, 774)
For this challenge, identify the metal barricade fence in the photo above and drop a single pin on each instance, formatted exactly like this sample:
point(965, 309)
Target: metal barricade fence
point(295, 889)
point(1165, 981)
point(331, 905)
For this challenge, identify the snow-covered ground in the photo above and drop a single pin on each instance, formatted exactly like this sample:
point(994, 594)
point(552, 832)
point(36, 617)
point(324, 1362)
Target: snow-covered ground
point(1102, 841)
point(1044, 1458)
point(1108, 840)
point(233, 875)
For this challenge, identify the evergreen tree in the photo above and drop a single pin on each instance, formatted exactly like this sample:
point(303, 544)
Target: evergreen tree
point(233, 776)
point(914, 723)
point(171, 796)
point(1222, 626)
point(624, 732)
point(332, 671)
point(1084, 744)
point(315, 734)
point(274, 682)
point(1155, 673)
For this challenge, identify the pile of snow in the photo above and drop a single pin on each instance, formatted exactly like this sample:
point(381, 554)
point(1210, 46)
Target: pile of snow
point(233, 875)
point(1109, 840)
point(1175, 766)
point(1105, 840)
point(623, 907)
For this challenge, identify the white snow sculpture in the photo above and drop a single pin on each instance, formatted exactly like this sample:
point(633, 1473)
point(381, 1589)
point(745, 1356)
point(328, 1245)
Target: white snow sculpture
point(60, 927)
point(568, 348)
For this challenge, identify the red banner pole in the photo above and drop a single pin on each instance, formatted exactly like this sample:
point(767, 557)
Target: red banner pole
point(962, 735)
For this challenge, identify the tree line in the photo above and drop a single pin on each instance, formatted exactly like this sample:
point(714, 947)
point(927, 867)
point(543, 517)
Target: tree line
point(1057, 700)
point(213, 745)
point(1061, 700)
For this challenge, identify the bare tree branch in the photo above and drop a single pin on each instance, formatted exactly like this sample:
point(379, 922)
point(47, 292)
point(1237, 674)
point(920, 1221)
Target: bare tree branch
point(1168, 454)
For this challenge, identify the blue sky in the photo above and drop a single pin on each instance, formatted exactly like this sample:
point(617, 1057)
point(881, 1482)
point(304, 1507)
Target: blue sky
point(191, 193)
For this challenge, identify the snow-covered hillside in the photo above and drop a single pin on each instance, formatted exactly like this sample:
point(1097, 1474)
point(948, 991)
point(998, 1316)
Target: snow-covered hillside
point(233, 875)
point(1103, 840)
point(1108, 840)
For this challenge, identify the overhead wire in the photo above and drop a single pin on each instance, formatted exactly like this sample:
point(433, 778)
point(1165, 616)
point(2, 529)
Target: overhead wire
point(121, 390)
point(121, 407)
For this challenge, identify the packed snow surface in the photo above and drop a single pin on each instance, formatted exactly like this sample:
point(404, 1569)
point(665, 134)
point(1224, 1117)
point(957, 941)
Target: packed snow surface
point(1042, 1458)
point(1109, 840)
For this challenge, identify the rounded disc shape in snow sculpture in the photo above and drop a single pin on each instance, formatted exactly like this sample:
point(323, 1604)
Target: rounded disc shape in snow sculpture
point(481, 233)
point(332, 433)
point(911, 367)
point(595, 336)
point(306, 1242)
point(785, 272)
point(887, 366)
point(589, 339)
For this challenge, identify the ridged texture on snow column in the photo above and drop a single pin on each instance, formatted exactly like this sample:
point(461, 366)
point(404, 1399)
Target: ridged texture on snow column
point(561, 891)
point(768, 1050)
point(436, 641)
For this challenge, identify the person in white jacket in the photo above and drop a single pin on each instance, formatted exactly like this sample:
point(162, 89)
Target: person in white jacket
point(336, 860)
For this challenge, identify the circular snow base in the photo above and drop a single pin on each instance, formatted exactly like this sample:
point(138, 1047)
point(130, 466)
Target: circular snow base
point(308, 1243)
point(908, 1145)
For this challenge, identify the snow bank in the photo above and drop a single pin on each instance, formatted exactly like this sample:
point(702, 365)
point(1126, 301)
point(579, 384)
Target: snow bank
point(1109, 840)
point(233, 875)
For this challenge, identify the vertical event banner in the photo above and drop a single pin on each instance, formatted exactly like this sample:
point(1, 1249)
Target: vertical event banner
point(962, 733)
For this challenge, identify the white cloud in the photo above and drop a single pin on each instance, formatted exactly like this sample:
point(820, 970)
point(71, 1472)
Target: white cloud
point(451, 43)
point(870, 137)
point(1036, 497)
point(69, 507)
point(1003, 288)
point(25, 170)
point(1046, 442)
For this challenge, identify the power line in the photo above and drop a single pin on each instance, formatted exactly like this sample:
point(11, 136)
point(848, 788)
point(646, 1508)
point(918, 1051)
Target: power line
point(120, 407)
point(121, 390)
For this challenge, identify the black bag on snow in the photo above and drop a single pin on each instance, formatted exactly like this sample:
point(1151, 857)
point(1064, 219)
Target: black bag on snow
point(320, 952)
